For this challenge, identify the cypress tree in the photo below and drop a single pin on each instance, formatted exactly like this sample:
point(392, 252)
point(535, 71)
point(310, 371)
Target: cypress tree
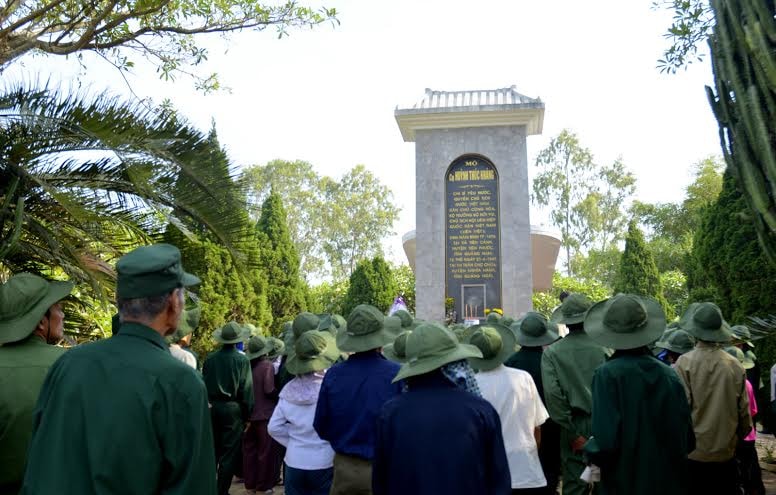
point(279, 258)
point(638, 272)
point(371, 283)
point(728, 263)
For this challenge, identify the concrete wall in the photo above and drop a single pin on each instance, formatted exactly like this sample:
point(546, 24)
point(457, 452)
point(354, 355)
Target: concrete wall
point(434, 151)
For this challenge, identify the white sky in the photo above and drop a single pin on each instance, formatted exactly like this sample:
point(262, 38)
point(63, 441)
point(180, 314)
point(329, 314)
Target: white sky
point(327, 95)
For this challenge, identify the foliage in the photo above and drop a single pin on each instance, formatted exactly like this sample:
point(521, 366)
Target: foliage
point(585, 199)
point(545, 302)
point(286, 290)
point(671, 226)
point(743, 58)
point(163, 32)
point(329, 297)
point(729, 260)
point(638, 273)
point(674, 285)
point(299, 186)
point(599, 266)
point(84, 179)
point(333, 223)
point(404, 281)
point(228, 291)
point(691, 25)
point(370, 283)
point(730, 268)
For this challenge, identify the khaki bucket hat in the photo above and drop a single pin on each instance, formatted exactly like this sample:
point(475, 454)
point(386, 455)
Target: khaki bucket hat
point(534, 330)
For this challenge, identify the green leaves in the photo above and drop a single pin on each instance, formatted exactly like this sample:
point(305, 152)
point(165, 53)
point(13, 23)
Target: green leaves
point(161, 31)
point(332, 223)
point(97, 176)
point(585, 199)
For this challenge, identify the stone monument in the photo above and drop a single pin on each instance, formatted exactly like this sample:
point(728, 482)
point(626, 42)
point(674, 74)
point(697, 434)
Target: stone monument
point(473, 233)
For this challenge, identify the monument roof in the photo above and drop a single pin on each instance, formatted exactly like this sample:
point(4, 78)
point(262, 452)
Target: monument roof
point(472, 108)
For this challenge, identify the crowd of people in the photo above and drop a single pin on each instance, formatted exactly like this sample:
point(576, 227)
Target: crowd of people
point(624, 403)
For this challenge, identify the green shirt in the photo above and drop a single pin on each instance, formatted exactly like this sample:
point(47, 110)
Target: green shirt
point(23, 367)
point(642, 429)
point(122, 416)
point(228, 378)
point(567, 375)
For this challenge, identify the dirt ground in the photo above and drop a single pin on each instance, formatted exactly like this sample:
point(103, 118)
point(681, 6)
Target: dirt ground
point(764, 444)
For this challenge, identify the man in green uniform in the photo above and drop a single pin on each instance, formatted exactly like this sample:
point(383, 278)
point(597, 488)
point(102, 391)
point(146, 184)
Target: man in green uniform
point(641, 419)
point(121, 415)
point(229, 382)
point(567, 375)
point(31, 321)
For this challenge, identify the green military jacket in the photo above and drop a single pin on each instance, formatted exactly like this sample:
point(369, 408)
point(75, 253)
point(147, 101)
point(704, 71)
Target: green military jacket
point(23, 367)
point(228, 377)
point(642, 429)
point(122, 416)
point(567, 376)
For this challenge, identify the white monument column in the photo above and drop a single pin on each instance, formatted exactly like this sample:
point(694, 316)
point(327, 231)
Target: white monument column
point(472, 228)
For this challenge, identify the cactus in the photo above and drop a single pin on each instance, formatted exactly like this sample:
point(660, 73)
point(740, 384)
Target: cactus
point(743, 54)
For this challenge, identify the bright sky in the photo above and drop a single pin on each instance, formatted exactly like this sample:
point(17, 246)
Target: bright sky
point(327, 95)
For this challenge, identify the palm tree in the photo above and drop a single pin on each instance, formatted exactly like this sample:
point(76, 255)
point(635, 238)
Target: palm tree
point(84, 178)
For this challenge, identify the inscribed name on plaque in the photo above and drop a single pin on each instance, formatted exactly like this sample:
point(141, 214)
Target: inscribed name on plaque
point(473, 247)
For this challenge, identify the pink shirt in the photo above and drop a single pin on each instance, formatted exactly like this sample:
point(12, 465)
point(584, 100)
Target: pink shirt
point(752, 411)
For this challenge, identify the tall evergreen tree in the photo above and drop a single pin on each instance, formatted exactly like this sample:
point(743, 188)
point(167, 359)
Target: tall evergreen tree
point(371, 283)
point(638, 273)
point(285, 288)
point(728, 264)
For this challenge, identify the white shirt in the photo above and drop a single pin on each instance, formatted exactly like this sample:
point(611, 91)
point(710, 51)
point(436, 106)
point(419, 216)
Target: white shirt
point(514, 396)
point(181, 355)
point(291, 425)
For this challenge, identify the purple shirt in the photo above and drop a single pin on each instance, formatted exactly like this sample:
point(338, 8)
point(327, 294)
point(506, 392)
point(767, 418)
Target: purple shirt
point(264, 395)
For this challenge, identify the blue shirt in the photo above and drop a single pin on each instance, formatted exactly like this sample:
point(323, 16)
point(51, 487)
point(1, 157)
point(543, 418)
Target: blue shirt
point(439, 439)
point(352, 394)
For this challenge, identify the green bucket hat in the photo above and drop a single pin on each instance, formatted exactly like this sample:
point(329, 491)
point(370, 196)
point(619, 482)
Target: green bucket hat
point(231, 333)
point(534, 330)
point(258, 346)
point(431, 346)
point(737, 353)
point(625, 321)
point(187, 324)
point(493, 317)
point(305, 322)
point(407, 321)
point(313, 351)
point(367, 329)
point(741, 333)
point(151, 271)
point(704, 322)
point(572, 309)
point(676, 340)
point(277, 347)
point(495, 341)
point(331, 323)
point(397, 351)
point(24, 299)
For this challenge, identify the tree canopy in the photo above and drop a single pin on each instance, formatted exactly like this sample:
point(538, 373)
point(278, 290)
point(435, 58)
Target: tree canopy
point(333, 223)
point(161, 31)
point(638, 273)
